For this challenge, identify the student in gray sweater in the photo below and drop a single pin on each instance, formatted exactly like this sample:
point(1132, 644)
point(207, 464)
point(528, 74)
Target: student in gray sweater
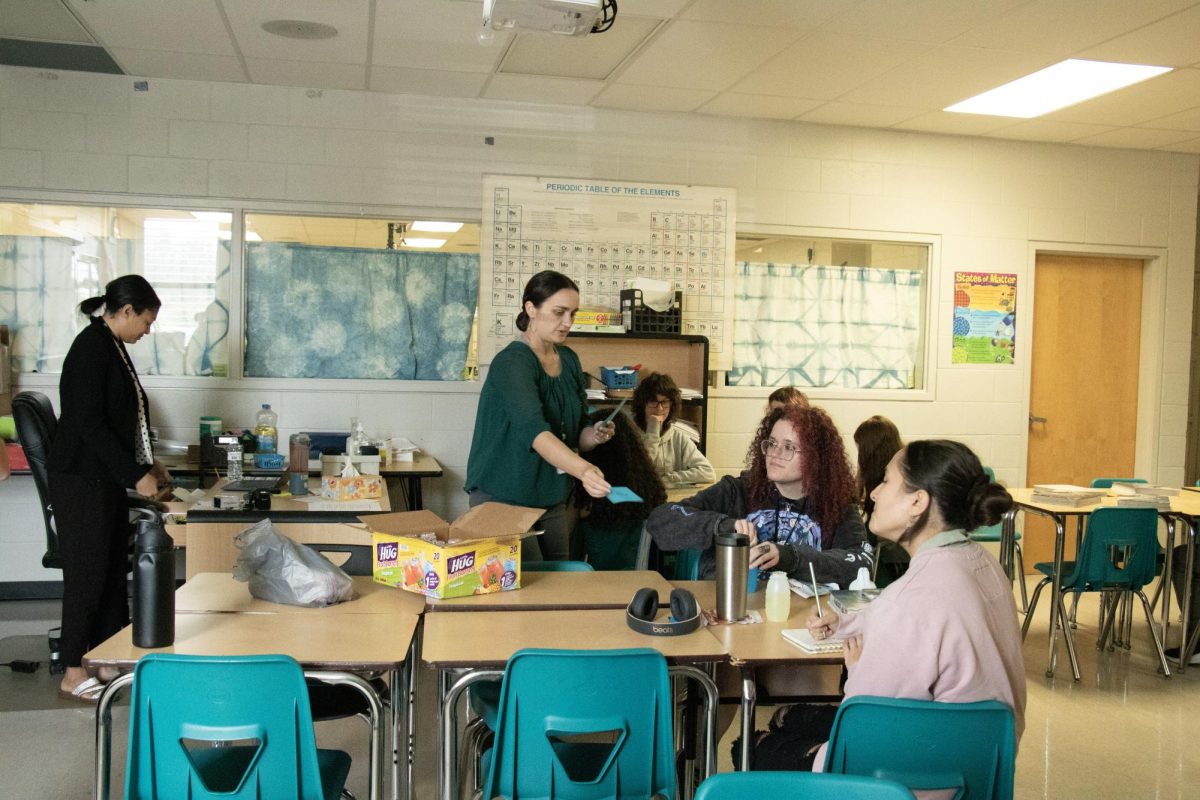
point(796, 500)
point(656, 403)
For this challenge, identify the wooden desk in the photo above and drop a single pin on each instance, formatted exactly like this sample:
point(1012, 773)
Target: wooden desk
point(752, 646)
point(677, 493)
point(483, 641)
point(542, 591)
point(215, 592)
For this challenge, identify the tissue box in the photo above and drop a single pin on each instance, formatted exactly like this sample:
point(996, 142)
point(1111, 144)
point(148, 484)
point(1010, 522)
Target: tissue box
point(360, 487)
point(479, 553)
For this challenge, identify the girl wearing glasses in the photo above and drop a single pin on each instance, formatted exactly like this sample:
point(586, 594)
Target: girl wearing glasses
point(796, 502)
point(655, 407)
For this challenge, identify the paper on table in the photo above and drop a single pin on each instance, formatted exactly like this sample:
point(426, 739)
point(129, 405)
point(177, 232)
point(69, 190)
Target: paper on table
point(318, 503)
point(623, 494)
point(804, 588)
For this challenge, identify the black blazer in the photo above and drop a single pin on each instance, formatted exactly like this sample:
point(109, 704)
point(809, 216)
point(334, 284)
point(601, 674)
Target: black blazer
point(99, 420)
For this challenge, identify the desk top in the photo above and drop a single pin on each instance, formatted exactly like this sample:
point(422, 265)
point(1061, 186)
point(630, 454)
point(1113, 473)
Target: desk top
point(422, 466)
point(218, 592)
point(1185, 503)
point(486, 639)
point(677, 493)
point(550, 591)
point(317, 641)
point(762, 643)
point(284, 508)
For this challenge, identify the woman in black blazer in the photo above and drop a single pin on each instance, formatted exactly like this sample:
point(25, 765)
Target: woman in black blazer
point(102, 448)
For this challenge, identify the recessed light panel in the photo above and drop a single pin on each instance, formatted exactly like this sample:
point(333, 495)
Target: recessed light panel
point(1058, 86)
point(435, 227)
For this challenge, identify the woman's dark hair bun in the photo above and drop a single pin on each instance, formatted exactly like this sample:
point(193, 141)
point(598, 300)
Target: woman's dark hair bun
point(988, 504)
point(955, 480)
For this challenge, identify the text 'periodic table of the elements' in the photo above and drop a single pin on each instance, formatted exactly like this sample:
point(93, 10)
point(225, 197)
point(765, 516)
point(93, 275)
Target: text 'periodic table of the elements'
point(605, 235)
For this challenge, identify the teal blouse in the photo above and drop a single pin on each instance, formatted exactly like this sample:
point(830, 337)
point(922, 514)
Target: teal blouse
point(518, 402)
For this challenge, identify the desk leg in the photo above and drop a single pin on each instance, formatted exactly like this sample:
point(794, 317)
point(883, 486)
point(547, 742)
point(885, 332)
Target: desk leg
point(410, 690)
point(1164, 585)
point(448, 788)
point(1059, 536)
point(414, 494)
point(1008, 538)
point(104, 733)
point(1188, 642)
point(749, 704)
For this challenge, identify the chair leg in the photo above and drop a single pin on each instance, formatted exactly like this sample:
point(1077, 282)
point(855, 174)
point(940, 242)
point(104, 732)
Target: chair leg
point(1037, 592)
point(1158, 645)
point(1128, 619)
point(1074, 611)
point(1021, 578)
point(1108, 602)
point(1066, 629)
point(474, 736)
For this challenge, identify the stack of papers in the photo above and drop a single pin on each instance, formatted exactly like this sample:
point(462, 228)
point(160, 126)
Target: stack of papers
point(1131, 489)
point(1065, 494)
point(596, 394)
point(804, 588)
point(690, 394)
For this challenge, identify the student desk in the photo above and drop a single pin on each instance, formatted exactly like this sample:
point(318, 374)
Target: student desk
point(760, 645)
point(483, 641)
point(1185, 507)
point(547, 591)
point(219, 592)
point(209, 532)
point(678, 492)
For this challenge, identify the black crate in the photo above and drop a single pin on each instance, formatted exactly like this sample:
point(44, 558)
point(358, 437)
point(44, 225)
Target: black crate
point(639, 319)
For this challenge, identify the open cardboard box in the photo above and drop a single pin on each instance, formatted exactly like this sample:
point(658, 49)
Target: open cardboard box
point(478, 553)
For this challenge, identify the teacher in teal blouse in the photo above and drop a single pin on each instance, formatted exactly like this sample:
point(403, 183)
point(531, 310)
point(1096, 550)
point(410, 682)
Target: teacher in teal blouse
point(531, 419)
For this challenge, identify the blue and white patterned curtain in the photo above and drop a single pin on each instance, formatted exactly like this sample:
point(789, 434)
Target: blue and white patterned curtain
point(850, 327)
point(335, 312)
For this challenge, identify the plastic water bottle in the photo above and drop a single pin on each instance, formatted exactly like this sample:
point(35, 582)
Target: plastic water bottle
point(153, 586)
point(234, 461)
point(266, 430)
point(779, 598)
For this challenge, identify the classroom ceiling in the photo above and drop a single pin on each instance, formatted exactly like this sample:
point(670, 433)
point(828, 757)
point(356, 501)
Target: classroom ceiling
point(871, 63)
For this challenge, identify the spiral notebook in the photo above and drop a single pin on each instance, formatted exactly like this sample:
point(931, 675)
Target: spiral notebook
point(804, 640)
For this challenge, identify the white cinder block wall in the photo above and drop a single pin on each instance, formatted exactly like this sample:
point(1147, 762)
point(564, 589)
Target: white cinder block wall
point(986, 204)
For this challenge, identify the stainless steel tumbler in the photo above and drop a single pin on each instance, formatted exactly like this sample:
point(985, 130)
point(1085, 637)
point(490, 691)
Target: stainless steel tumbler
point(733, 564)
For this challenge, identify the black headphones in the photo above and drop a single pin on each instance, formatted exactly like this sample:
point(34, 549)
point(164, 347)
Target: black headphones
point(643, 608)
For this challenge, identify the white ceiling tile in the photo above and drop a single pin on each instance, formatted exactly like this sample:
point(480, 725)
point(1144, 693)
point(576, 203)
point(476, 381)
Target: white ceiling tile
point(537, 89)
point(39, 19)
point(182, 66)
point(760, 106)
point(652, 98)
point(466, 56)
point(929, 21)
point(827, 65)
point(1044, 130)
point(1171, 42)
point(652, 8)
point(351, 18)
point(307, 73)
point(442, 35)
point(1183, 121)
point(1141, 138)
point(944, 75)
point(1061, 27)
point(147, 25)
point(437, 82)
point(948, 122)
point(874, 116)
point(798, 14)
point(592, 57)
point(704, 55)
point(1158, 97)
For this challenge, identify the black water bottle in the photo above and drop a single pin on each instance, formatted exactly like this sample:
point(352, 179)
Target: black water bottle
point(153, 586)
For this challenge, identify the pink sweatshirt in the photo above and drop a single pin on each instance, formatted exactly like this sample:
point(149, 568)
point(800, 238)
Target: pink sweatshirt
point(945, 631)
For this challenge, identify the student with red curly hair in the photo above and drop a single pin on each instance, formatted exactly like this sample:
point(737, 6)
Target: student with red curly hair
point(797, 501)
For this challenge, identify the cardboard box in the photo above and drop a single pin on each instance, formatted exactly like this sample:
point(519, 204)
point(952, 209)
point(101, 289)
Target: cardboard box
point(479, 553)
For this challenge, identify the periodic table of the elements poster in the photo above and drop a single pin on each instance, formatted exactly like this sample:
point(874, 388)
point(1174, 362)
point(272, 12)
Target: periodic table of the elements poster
point(605, 235)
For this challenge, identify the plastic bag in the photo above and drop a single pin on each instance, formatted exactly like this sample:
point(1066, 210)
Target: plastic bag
point(282, 571)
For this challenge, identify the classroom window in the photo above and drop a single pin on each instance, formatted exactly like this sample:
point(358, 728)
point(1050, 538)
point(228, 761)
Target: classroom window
point(836, 313)
point(54, 256)
point(335, 297)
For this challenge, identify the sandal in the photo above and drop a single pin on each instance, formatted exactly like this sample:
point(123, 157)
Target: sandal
point(88, 691)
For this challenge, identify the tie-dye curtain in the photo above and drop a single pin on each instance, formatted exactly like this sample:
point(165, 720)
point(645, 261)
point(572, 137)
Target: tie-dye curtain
point(335, 312)
point(850, 327)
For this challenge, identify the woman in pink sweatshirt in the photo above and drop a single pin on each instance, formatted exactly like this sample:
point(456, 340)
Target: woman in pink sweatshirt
point(947, 630)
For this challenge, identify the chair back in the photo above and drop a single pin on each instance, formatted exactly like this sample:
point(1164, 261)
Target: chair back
point(36, 424)
point(924, 744)
point(220, 727)
point(806, 785)
point(1106, 483)
point(687, 565)
point(557, 566)
point(1119, 550)
point(584, 725)
point(358, 560)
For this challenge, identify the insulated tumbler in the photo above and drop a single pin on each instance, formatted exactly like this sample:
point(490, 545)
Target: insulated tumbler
point(153, 586)
point(733, 565)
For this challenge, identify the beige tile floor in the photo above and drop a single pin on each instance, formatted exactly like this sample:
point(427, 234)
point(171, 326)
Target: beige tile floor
point(1122, 732)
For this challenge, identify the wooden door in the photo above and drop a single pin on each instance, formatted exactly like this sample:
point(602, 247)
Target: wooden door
point(1086, 336)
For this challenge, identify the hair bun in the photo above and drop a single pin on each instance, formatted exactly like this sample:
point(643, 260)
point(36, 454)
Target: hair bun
point(988, 502)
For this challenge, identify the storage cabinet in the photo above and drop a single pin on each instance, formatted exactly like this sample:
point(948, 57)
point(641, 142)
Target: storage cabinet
point(684, 358)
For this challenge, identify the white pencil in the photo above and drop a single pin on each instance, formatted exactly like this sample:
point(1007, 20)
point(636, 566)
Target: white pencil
point(816, 596)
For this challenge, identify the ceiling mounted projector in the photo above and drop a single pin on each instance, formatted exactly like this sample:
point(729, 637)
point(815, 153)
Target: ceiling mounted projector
point(565, 17)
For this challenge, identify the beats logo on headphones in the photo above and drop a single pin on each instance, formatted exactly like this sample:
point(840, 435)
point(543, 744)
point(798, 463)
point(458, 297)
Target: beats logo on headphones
point(643, 608)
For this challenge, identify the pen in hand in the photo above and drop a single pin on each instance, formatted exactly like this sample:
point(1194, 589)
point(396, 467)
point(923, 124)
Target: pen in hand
point(816, 596)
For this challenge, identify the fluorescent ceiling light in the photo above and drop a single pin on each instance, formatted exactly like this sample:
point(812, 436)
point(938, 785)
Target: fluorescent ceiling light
point(217, 216)
point(436, 227)
point(251, 236)
point(1058, 86)
point(409, 241)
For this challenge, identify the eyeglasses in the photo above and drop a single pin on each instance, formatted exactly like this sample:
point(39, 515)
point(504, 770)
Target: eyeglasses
point(785, 450)
point(659, 403)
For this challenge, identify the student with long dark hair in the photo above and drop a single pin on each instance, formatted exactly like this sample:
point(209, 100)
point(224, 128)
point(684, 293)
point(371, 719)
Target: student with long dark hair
point(102, 448)
point(611, 532)
point(656, 402)
point(530, 427)
point(877, 439)
point(948, 629)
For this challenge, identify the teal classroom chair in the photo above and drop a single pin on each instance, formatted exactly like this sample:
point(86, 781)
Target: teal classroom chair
point(557, 566)
point(226, 727)
point(991, 533)
point(1119, 554)
point(584, 725)
point(805, 785)
point(924, 744)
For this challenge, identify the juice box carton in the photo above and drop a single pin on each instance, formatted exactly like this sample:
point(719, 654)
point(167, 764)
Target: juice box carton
point(478, 553)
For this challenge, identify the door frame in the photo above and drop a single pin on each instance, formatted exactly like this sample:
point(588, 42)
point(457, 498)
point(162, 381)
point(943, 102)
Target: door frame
point(1150, 349)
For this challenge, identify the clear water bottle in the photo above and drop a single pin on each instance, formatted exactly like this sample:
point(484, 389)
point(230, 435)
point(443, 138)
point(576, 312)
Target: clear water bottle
point(266, 430)
point(234, 456)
